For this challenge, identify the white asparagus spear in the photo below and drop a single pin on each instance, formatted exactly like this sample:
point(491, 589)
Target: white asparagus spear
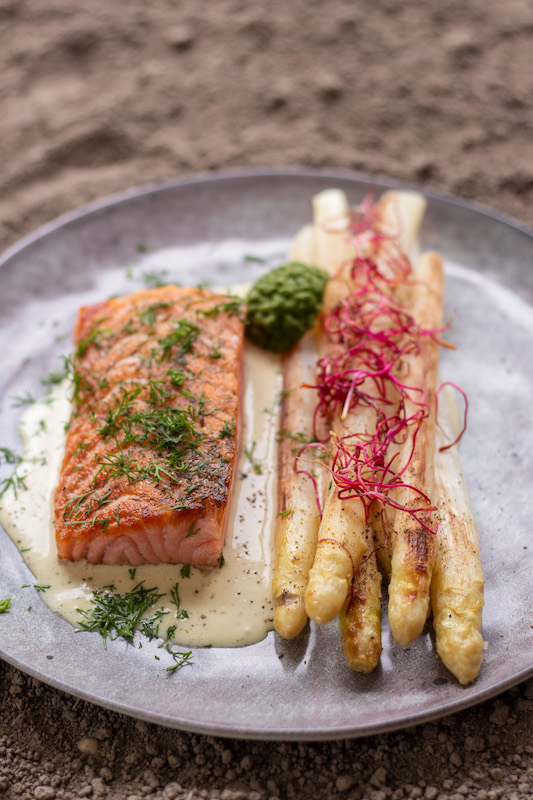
point(413, 548)
point(360, 617)
point(401, 216)
point(298, 519)
point(343, 533)
point(457, 582)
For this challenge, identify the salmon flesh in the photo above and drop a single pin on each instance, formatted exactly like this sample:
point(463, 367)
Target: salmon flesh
point(152, 444)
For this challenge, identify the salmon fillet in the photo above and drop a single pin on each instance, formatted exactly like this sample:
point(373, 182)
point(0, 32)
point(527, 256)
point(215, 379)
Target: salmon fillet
point(152, 443)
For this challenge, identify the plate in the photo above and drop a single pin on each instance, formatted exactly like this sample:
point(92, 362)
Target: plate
point(217, 227)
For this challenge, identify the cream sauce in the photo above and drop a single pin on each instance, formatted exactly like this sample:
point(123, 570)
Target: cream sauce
point(227, 607)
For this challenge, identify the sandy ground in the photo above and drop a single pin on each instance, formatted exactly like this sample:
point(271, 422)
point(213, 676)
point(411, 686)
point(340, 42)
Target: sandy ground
point(104, 96)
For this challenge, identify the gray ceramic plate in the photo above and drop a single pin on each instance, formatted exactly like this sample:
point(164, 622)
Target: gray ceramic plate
point(203, 228)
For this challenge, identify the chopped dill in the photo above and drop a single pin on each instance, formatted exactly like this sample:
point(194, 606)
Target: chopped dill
point(116, 465)
point(227, 431)
point(154, 279)
point(216, 351)
point(113, 421)
point(249, 453)
point(180, 658)
point(148, 316)
point(300, 436)
point(14, 481)
point(41, 587)
point(150, 627)
point(132, 573)
point(158, 392)
point(180, 341)
point(22, 400)
point(280, 396)
point(73, 504)
point(180, 612)
point(234, 307)
point(94, 337)
point(176, 377)
point(7, 456)
point(186, 571)
point(116, 615)
point(55, 377)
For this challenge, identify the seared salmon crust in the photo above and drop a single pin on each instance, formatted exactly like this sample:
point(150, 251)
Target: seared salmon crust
point(152, 443)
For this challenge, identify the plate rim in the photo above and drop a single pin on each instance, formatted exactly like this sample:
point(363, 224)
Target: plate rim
point(380, 182)
point(294, 734)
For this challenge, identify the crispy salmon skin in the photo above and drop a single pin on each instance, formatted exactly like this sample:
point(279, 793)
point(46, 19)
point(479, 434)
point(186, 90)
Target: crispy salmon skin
point(152, 443)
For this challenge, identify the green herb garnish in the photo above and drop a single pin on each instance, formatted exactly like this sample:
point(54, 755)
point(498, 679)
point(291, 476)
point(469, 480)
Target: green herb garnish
point(192, 531)
point(283, 304)
point(114, 615)
point(22, 400)
point(154, 279)
point(249, 453)
point(180, 341)
point(14, 481)
point(180, 612)
point(227, 431)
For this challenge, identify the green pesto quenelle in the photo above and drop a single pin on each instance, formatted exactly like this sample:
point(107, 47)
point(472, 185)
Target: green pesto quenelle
point(283, 304)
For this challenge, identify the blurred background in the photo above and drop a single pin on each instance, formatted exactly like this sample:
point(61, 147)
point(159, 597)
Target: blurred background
point(99, 97)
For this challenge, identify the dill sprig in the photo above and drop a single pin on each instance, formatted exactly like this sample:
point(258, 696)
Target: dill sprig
point(169, 431)
point(249, 453)
point(300, 436)
point(234, 306)
point(17, 401)
point(53, 378)
point(14, 481)
point(176, 377)
point(180, 658)
point(148, 316)
point(153, 278)
point(180, 612)
point(117, 615)
point(227, 431)
point(7, 456)
point(94, 337)
point(150, 627)
point(182, 338)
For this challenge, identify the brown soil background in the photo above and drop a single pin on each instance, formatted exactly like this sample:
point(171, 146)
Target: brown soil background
point(104, 96)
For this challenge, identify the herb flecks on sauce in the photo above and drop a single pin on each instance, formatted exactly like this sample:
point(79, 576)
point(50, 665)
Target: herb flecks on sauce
point(15, 482)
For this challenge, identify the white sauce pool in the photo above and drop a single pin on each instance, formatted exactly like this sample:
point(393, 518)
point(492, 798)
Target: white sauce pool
point(227, 607)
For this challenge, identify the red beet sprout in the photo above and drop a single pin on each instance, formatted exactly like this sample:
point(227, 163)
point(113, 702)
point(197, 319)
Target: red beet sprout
point(372, 336)
point(465, 413)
